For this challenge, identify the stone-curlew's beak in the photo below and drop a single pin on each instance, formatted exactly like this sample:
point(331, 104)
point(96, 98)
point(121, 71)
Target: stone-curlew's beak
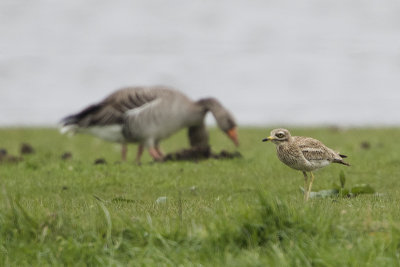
point(232, 133)
point(268, 138)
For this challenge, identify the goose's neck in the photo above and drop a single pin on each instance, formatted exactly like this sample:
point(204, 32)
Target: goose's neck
point(209, 104)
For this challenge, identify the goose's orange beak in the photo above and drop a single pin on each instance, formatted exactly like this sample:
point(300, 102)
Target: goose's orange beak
point(232, 133)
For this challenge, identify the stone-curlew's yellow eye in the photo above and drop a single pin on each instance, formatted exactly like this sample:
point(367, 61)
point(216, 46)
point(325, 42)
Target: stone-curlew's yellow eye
point(280, 135)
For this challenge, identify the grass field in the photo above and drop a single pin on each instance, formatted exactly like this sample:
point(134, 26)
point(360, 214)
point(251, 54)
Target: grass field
point(240, 212)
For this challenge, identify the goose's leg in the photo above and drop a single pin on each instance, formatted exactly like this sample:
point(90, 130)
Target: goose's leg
point(139, 154)
point(309, 187)
point(157, 147)
point(154, 153)
point(151, 144)
point(123, 151)
point(305, 186)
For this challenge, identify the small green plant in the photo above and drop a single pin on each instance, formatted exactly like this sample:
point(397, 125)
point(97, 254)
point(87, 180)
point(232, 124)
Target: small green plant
point(341, 191)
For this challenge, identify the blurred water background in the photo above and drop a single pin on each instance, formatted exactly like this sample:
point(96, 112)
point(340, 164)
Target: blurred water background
point(303, 62)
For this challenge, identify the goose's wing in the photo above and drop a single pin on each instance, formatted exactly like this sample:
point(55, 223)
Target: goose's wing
point(113, 108)
point(117, 105)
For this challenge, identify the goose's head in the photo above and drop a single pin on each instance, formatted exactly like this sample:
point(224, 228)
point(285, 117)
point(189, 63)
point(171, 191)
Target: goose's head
point(225, 120)
point(227, 124)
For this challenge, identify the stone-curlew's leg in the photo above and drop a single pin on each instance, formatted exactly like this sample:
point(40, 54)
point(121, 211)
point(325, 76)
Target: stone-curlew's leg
point(123, 151)
point(305, 185)
point(309, 187)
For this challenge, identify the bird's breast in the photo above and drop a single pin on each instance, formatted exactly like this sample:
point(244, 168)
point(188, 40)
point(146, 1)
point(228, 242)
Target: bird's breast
point(291, 157)
point(112, 133)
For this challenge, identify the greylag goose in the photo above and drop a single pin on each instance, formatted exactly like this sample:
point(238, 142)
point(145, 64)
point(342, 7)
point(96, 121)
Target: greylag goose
point(146, 115)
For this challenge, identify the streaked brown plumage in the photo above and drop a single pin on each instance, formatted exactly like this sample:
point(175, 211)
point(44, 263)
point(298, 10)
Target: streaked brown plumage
point(147, 115)
point(303, 153)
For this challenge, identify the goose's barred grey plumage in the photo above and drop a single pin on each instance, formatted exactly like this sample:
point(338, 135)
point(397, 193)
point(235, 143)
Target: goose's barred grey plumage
point(303, 153)
point(147, 115)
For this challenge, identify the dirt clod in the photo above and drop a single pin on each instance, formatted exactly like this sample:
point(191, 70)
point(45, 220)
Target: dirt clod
point(365, 145)
point(199, 153)
point(9, 159)
point(66, 155)
point(6, 158)
point(100, 161)
point(26, 149)
point(3, 152)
